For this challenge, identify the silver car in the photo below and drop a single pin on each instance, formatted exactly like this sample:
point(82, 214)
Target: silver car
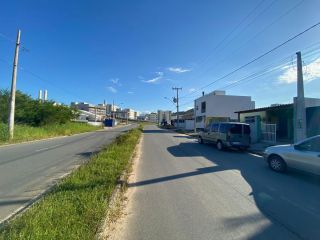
point(304, 155)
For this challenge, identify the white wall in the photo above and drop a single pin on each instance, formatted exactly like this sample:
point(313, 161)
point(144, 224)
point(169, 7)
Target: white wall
point(222, 106)
point(189, 124)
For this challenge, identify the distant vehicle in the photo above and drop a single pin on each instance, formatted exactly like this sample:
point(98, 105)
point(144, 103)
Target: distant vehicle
point(227, 135)
point(304, 155)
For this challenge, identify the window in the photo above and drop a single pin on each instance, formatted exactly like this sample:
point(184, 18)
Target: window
point(236, 129)
point(203, 107)
point(199, 119)
point(310, 145)
point(223, 128)
point(246, 129)
point(215, 127)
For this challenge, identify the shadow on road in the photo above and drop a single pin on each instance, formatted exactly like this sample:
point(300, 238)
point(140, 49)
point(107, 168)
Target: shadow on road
point(13, 201)
point(290, 201)
point(182, 136)
point(148, 131)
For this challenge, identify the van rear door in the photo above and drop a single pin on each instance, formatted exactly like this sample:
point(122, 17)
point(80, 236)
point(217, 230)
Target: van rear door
point(239, 134)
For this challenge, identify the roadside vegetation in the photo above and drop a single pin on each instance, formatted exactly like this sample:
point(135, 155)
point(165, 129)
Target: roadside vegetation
point(23, 132)
point(38, 120)
point(76, 207)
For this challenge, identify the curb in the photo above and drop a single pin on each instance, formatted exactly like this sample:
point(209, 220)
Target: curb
point(34, 200)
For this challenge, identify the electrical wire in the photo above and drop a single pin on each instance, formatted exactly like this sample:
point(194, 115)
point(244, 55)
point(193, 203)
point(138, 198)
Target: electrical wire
point(260, 56)
point(268, 70)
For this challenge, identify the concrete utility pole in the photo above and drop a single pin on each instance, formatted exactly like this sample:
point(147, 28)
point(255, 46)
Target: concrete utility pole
point(300, 110)
point(176, 100)
point(13, 88)
point(113, 109)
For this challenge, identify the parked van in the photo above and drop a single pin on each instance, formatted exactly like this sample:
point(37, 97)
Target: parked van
point(226, 135)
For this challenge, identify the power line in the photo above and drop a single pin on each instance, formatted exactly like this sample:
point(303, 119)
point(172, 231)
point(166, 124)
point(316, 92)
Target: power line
point(231, 32)
point(13, 41)
point(268, 69)
point(256, 35)
point(259, 57)
point(43, 80)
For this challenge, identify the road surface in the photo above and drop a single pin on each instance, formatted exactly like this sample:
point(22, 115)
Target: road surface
point(184, 190)
point(28, 169)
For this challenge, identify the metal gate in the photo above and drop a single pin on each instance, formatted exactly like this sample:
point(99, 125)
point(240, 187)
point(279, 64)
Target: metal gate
point(269, 133)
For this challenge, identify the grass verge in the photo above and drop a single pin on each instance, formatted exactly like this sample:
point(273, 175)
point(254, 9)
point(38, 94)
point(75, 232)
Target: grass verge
point(76, 207)
point(23, 133)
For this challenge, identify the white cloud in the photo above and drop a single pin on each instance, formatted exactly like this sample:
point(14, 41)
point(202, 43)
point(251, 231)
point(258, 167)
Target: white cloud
point(178, 69)
point(112, 89)
point(155, 79)
point(114, 80)
point(192, 90)
point(310, 73)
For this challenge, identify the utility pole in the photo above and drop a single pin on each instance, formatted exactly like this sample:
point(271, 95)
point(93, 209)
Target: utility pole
point(176, 100)
point(300, 110)
point(13, 88)
point(112, 109)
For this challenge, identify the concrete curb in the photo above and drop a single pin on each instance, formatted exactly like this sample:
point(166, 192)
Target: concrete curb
point(34, 200)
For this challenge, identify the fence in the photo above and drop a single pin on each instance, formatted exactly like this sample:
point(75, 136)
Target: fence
point(269, 133)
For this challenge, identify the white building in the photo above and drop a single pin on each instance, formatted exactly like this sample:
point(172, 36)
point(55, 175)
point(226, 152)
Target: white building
point(98, 110)
point(152, 117)
point(217, 106)
point(164, 116)
point(130, 113)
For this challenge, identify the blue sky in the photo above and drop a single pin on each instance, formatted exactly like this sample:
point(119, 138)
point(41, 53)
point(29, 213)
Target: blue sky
point(134, 52)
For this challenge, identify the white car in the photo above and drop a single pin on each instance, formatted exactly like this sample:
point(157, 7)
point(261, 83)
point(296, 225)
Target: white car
point(304, 155)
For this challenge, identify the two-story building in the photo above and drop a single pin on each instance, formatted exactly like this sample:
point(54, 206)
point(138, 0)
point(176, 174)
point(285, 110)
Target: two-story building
point(217, 107)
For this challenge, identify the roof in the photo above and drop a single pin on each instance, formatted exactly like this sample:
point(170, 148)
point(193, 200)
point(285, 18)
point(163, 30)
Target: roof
point(282, 106)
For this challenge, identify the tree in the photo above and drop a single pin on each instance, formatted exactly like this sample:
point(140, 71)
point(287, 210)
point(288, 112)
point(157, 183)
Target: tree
point(33, 112)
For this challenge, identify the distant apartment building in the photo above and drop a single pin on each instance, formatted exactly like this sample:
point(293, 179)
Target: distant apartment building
point(217, 106)
point(129, 113)
point(164, 117)
point(99, 111)
point(152, 117)
point(111, 108)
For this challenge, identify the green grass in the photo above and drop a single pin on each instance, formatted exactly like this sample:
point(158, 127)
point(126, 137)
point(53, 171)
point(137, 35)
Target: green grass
point(76, 207)
point(24, 133)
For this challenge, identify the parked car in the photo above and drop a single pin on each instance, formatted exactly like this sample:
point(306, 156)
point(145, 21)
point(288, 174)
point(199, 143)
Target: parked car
point(226, 135)
point(304, 155)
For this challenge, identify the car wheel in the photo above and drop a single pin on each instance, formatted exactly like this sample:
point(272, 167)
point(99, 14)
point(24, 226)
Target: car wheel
point(277, 164)
point(200, 140)
point(219, 146)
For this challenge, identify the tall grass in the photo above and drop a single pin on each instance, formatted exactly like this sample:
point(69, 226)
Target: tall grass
point(27, 133)
point(76, 207)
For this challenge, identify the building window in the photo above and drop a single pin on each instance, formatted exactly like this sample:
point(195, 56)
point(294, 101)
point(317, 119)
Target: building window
point(203, 107)
point(199, 119)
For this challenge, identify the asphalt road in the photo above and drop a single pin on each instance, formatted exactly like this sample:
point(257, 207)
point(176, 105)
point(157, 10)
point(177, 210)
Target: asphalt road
point(28, 169)
point(184, 190)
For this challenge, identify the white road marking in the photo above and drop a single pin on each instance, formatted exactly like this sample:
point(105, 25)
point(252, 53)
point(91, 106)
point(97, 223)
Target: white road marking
point(255, 155)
